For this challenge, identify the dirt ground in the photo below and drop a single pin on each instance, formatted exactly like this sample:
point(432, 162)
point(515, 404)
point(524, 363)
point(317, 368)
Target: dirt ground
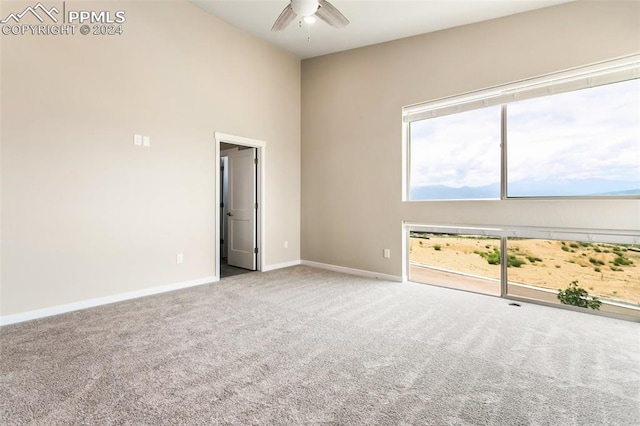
point(546, 263)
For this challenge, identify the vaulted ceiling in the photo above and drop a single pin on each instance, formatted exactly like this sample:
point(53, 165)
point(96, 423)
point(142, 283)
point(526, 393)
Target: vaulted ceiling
point(372, 21)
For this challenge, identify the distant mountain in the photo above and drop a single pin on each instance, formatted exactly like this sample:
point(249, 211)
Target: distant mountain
point(442, 192)
point(583, 187)
point(586, 187)
point(629, 192)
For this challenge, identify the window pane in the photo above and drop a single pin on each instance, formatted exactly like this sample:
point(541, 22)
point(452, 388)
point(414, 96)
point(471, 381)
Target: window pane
point(466, 262)
point(456, 156)
point(585, 143)
point(608, 272)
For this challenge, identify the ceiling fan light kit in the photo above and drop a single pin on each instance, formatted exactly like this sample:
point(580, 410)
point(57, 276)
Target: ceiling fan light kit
point(309, 10)
point(304, 7)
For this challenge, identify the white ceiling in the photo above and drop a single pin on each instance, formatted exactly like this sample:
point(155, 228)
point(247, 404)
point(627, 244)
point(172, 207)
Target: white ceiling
point(372, 21)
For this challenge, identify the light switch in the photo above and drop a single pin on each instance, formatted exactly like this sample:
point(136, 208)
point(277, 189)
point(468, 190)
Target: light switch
point(137, 139)
point(146, 140)
point(386, 253)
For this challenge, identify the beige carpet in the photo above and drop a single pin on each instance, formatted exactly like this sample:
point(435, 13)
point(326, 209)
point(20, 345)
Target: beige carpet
point(304, 346)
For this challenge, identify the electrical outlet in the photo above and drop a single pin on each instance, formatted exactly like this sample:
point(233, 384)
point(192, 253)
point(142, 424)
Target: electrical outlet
point(137, 139)
point(386, 253)
point(286, 244)
point(179, 258)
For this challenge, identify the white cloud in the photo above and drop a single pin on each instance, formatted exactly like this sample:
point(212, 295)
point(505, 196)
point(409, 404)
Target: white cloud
point(457, 150)
point(593, 133)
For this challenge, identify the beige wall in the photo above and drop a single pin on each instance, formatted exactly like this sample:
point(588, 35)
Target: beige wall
point(87, 214)
point(351, 127)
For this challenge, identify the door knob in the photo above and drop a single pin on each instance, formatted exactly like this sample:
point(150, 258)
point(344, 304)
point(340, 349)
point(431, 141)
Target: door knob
point(229, 214)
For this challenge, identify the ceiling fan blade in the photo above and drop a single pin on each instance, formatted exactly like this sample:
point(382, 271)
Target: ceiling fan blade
point(284, 19)
point(329, 14)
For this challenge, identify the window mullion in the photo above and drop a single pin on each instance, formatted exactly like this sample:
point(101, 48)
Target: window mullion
point(503, 153)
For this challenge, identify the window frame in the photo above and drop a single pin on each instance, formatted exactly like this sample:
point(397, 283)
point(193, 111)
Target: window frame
point(615, 236)
point(613, 71)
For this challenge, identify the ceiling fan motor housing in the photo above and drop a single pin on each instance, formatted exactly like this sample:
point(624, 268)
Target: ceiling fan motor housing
point(304, 7)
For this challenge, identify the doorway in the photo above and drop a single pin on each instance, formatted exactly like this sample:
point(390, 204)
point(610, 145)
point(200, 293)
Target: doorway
point(239, 214)
point(237, 210)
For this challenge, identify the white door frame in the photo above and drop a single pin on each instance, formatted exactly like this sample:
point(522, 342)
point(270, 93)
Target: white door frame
point(243, 208)
point(261, 148)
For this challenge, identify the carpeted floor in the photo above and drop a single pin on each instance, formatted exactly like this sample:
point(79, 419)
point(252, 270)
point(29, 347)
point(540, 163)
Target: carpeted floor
point(305, 346)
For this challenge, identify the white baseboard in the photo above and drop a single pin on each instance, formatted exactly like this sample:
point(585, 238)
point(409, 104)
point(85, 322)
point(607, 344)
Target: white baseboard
point(351, 271)
point(280, 266)
point(60, 309)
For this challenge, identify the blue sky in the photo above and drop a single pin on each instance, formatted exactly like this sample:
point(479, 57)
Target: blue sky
point(572, 139)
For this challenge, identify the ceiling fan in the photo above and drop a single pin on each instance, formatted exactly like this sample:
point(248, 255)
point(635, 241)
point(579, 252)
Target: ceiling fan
point(308, 10)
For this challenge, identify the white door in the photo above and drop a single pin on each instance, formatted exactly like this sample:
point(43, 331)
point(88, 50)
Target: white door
point(242, 209)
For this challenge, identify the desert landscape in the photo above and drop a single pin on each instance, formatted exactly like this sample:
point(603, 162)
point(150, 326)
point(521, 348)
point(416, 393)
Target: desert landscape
point(608, 271)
